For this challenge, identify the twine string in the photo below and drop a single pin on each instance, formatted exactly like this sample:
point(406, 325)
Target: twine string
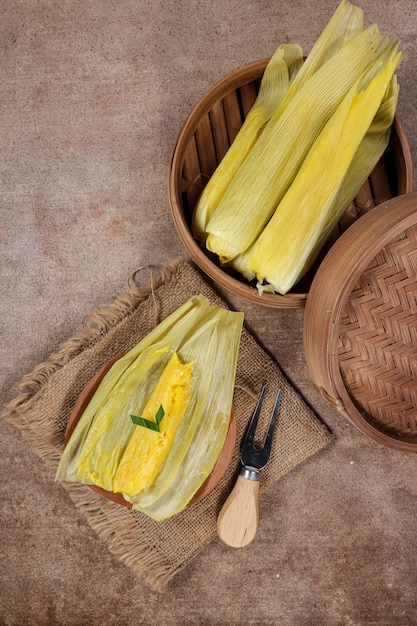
point(132, 287)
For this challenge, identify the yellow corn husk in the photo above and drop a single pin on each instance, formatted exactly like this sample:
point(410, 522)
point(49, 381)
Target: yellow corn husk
point(267, 172)
point(367, 156)
point(217, 373)
point(241, 264)
point(283, 76)
point(290, 238)
point(147, 449)
point(203, 337)
point(90, 456)
point(278, 73)
point(345, 23)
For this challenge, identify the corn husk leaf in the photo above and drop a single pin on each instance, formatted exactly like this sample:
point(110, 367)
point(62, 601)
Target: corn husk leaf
point(103, 419)
point(345, 23)
point(279, 72)
point(367, 156)
point(289, 240)
point(247, 206)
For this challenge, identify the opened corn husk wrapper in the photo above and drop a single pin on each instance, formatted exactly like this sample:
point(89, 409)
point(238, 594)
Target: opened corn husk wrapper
point(179, 380)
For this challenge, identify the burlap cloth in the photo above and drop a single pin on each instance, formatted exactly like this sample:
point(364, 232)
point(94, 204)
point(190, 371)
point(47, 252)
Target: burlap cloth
point(45, 398)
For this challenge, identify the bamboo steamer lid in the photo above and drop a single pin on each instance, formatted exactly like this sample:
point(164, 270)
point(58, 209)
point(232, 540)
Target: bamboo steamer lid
point(360, 324)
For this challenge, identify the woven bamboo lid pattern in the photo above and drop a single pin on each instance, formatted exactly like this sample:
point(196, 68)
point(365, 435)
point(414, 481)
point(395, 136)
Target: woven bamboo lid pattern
point(203, 141)
point(360, 324)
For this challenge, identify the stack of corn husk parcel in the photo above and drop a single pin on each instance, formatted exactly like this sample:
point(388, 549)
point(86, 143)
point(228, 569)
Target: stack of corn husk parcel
point(313, 136)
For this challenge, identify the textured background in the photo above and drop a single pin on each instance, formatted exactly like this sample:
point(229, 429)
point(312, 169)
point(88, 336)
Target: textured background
point(93, 95)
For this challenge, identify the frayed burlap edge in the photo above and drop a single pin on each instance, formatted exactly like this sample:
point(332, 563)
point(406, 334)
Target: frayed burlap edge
point(140, 556)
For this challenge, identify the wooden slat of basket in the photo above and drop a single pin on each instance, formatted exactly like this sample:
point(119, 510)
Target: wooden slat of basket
point(205, 147)
point(364, 199)
point(232, 115)
point(219, 129)
point(248, 95)
point(380, 182)
point(378, 339)
point(191, 183)
point(349, 216)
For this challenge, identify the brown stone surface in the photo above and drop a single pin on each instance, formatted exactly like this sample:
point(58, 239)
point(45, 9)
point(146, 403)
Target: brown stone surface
point(93, 95)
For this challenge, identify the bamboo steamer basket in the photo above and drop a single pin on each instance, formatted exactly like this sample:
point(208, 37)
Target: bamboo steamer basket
point(360, 324)
point(203, 141)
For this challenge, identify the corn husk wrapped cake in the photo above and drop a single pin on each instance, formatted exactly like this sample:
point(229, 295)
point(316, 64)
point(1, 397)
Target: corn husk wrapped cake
point(157, 423)
point(310, 141)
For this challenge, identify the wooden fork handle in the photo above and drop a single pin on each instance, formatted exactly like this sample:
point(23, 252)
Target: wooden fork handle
point(239, 517)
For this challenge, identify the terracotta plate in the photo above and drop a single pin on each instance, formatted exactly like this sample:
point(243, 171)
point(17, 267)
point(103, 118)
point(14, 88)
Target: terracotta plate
point(211, 481)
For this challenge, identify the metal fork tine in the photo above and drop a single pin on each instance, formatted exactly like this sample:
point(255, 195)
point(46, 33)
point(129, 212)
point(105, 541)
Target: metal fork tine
point(255, 417)
point(257, 457)
point(271, 427)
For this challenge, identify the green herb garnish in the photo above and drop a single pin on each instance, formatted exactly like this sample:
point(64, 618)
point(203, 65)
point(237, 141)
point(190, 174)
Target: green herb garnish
point(141, 421)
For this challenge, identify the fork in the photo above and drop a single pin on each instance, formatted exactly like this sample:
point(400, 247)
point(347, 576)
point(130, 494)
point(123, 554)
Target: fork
point(238, 520)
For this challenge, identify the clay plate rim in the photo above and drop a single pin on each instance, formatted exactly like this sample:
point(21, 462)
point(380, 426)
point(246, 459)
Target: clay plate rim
point(211, 481)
